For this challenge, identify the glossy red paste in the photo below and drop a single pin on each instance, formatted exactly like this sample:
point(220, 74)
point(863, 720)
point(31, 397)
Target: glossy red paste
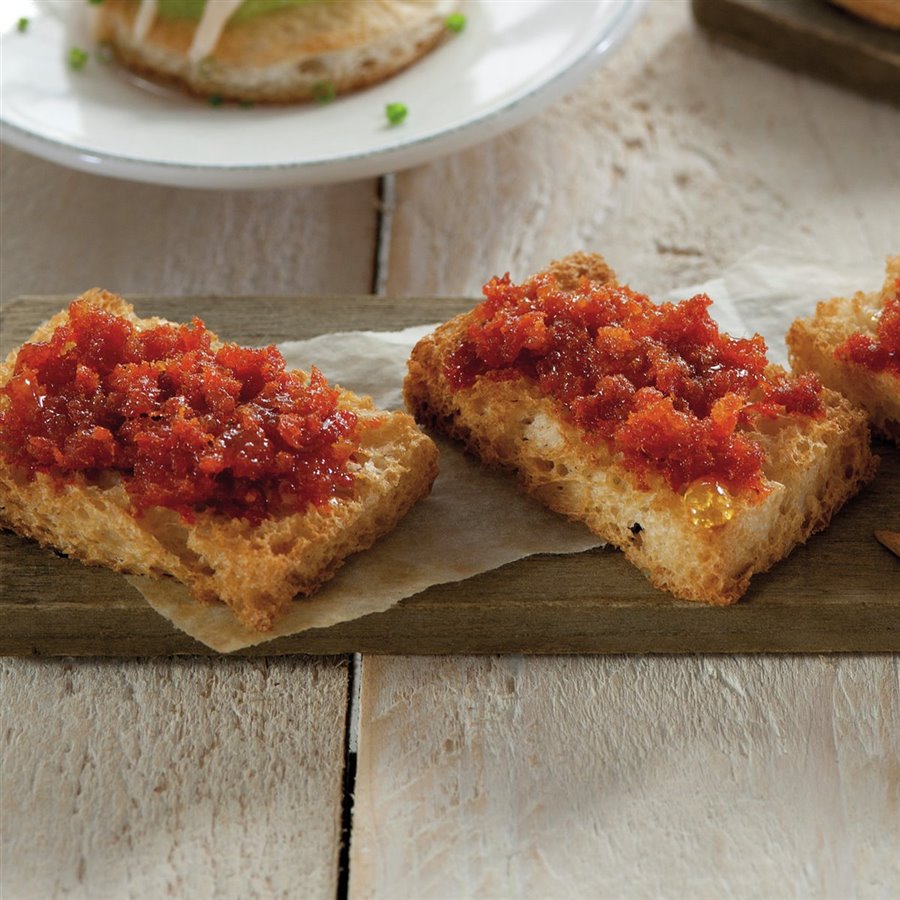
point(659, 383)
point(879, 352)
point(188, 427)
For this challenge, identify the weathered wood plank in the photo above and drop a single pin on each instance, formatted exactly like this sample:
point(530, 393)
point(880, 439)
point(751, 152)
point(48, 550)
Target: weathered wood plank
point(652, 776)
point(833, 594)
point(672, 161)
point(627, 777)
point(135, 779)
point(69, 231)
point(810, 36)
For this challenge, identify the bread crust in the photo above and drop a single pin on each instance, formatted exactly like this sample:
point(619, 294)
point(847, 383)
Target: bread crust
point(812, 467)
point(284, 56)
point(812, 344)
point(257, 570)
point(882, 12)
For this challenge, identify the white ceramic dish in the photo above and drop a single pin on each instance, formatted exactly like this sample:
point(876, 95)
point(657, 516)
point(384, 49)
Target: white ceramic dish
point(513, 59)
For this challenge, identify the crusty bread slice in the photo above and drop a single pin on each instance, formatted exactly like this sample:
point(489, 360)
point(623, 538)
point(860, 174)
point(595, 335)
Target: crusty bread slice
point(812, 466)
point(256, 570)
point(283, 56)
point(812, 344)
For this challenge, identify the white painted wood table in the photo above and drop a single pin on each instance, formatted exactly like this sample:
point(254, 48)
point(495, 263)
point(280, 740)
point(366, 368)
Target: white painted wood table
point(474, 777)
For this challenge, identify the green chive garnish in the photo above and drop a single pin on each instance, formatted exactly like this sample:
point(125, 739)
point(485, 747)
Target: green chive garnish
point(324, 92)
point(247, 104)
point(215, 100)
point(395, 112)
point(95, 2)
point(22, 25)
point(455, 22)
point(78, 58)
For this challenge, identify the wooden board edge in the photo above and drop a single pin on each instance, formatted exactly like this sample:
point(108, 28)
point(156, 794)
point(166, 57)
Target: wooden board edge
point(423, 630)
point(865, 72)
point(20, 316)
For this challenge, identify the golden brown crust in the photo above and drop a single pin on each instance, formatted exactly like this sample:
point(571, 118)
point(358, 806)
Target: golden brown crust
point(283, 56)
point(882, 12)
point(569, 271)
point(812, 344)
point(813, 467)
point(256, 570)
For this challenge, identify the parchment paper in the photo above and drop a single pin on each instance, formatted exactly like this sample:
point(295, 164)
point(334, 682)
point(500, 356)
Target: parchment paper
point(475, 520)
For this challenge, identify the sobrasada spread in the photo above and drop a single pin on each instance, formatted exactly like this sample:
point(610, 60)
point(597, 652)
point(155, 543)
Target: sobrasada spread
point(660, 384)
point(186, 425)
point(879, 352)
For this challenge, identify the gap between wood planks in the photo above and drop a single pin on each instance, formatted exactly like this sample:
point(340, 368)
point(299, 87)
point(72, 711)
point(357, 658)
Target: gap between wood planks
point(351, 733)
point(385, 220)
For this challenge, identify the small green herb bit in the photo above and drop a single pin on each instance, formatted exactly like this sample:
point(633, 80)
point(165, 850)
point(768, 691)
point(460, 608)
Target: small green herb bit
point(22, 25)
point(95, 2)
point(78, 58)
point(396, 112)
point(215, 100)
point(324, 92)
point(456, 22)
point(247, 104)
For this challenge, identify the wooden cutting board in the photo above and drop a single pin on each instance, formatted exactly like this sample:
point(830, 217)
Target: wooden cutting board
point(812, 36)
point(841, 591)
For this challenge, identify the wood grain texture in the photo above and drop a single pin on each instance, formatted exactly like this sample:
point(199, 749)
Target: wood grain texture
point(674, 160)
point(195, 778)
point(657, 776)
point(810, 36)
point(68, 231)
point(628, 777)
point(832, 594)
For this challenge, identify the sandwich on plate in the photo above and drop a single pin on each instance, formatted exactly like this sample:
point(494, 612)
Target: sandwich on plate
point(270, 51)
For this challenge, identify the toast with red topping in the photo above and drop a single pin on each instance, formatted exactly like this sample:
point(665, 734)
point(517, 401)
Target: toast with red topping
point(853, 343)
point(156, 449)
point(679, 445)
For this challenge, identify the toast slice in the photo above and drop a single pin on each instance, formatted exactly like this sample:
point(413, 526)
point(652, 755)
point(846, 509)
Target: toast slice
point(696, 542)
point(257, 569)
point(814, 346)
point(295, 52)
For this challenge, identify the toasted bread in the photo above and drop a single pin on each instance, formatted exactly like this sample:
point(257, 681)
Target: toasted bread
point(811, 467)
point(309, 51)
point(256, 569)
point(881, 12)
point(812, 344)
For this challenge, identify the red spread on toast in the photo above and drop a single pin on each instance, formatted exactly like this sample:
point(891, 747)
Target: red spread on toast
point(658, 383)
point(188, 427)
point(879, 352)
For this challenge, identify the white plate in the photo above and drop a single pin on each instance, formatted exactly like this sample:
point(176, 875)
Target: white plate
point(513, 58)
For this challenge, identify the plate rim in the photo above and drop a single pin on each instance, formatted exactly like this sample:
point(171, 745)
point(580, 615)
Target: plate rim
point(369, 163)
